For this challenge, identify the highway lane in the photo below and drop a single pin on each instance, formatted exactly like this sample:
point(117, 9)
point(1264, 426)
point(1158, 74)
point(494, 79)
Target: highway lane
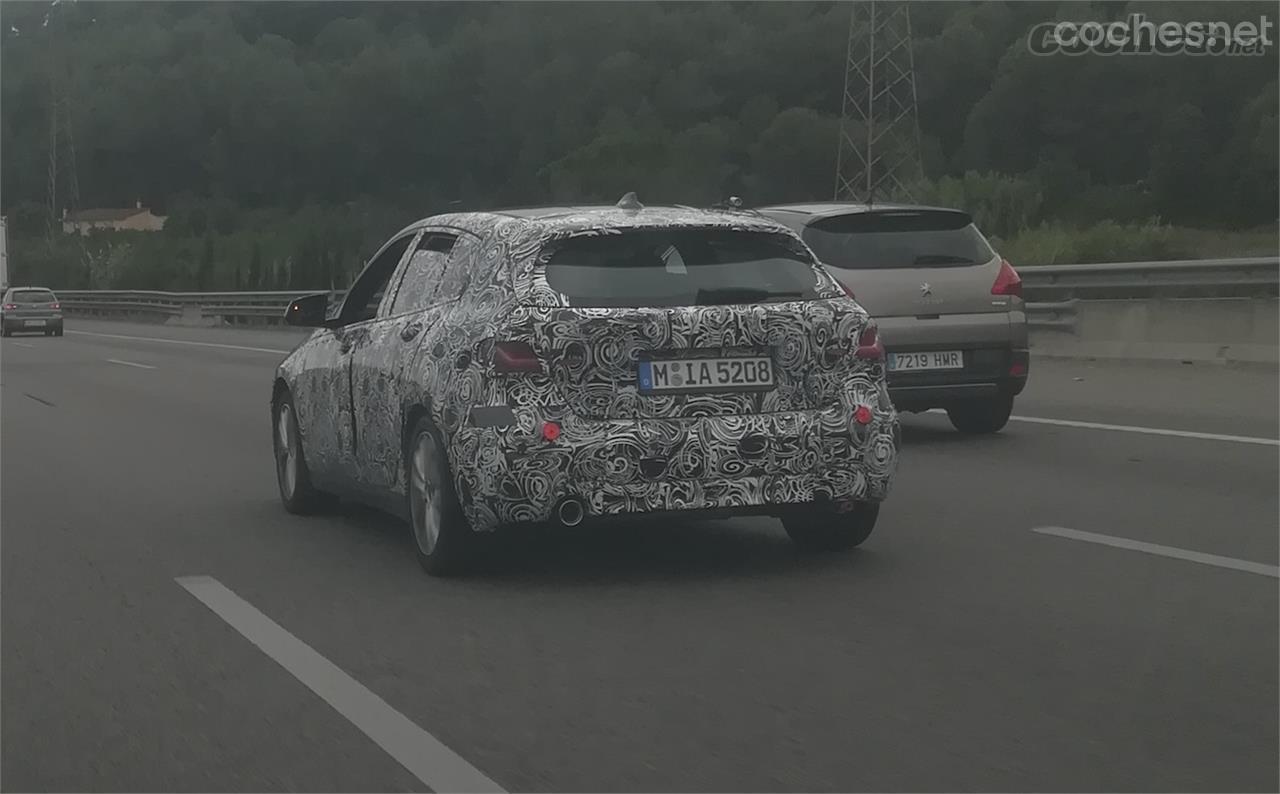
point(957, 649)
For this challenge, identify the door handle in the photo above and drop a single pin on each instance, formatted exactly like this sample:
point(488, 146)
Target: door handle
point(410, 331)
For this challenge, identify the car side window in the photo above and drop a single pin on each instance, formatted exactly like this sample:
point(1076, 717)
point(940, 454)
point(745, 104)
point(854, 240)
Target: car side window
point(365, 295)
point(458, 272)
point(423, 275)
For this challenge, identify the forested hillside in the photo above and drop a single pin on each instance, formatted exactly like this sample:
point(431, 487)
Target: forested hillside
point(284, 139)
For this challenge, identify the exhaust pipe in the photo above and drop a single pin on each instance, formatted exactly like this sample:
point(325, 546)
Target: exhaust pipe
point(570, 513)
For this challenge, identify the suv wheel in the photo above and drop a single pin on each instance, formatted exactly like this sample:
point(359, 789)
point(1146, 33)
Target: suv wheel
point(981, 416)
point(442, 539)
point(292, 475)
point(815, 527)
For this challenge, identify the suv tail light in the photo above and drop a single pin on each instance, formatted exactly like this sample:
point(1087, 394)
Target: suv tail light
point(869, 344)
point(1008, 282)
point(11, 306)
point(515, 357)
point(55, 305)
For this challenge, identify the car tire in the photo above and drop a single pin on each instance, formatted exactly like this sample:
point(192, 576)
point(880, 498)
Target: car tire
point(979, 417)
point(293, 477)
point(443, 541)
point(817, 528)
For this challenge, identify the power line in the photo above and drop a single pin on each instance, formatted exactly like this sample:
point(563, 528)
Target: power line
point(878, 154)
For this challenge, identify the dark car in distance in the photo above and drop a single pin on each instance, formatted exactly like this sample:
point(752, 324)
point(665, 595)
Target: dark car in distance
point(30, 309)
point(563, 364)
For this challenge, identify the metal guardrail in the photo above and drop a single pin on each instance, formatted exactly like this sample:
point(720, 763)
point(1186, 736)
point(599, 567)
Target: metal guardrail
point(1051, 291)
point(1194, 278)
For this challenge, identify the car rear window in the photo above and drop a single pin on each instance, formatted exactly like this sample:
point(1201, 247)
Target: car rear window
point(32, 296)
point(893, 240)
point(680, 267)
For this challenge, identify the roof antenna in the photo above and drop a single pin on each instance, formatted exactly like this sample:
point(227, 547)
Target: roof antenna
point(630, 202)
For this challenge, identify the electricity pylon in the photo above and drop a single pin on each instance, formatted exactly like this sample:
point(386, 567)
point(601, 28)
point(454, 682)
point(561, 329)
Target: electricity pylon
point(879, 149)
point(61, 128)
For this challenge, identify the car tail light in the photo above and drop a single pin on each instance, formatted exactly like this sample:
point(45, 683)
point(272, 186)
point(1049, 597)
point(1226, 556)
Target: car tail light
point(55, 305)
point(869, 344)
point(515, 357)
point(1008, 282)
point(11, 306)
point(862, 415)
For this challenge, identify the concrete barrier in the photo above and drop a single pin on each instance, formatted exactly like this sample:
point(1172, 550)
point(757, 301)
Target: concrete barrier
point(1221, 330)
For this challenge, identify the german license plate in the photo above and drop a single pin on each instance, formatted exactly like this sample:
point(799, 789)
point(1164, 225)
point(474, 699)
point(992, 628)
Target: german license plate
point(34, 323)
point(929, 359)
point(706, 374)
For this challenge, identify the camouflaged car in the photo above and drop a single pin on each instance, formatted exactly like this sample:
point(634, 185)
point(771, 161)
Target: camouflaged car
point(570, 364)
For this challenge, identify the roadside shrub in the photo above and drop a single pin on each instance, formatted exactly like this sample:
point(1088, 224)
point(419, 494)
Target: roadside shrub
point(1056, 244)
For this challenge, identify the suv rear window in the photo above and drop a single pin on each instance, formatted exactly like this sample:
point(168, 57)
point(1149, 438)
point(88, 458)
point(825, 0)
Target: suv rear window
point(32, 296)
point(680, 267)
point(898, 239)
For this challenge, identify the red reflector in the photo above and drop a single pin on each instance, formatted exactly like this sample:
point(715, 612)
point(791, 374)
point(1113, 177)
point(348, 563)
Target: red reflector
point(869, 345)
point(515, 357)
point(550, 431)
point(1008, 282)
point(862, 415)
point(1017, 369)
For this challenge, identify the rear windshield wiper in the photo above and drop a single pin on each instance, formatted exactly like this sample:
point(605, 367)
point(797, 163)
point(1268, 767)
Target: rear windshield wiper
point(943, 259)
point(715, 297)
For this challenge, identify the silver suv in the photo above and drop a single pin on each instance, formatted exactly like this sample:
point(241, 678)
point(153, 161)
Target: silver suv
point(949, 307)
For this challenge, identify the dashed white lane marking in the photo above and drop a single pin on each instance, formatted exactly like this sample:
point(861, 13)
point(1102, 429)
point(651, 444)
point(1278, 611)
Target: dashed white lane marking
point(418, 751)
point(1151, 431)
point(1163, 551)
point(24, 344)
point(181, 342)
point(129, 363)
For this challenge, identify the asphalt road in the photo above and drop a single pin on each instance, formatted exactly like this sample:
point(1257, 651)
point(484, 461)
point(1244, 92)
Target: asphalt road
point(957, 650)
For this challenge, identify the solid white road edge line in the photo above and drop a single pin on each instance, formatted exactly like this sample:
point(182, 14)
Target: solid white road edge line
point(418, 751)
point(182, 342)
point(1152, 431)
point(1162, 551)
point(129, 363)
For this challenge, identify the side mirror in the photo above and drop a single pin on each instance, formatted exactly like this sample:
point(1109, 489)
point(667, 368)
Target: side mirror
point(309, 311)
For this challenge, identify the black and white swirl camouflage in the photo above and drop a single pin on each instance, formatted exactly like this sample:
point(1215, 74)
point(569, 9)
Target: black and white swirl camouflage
point(356, 387)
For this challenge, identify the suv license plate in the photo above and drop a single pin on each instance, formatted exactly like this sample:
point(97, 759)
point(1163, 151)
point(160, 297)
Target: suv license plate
point(929, 359)
point(34, 323)
point(706, 374)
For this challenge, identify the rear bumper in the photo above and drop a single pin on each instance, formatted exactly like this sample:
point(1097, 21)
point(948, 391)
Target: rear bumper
point(32, 323)
point(716, 465)
point(988, 372)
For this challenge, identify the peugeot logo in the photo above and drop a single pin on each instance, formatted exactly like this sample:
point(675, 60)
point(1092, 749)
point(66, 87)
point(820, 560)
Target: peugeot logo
point(925, 290)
